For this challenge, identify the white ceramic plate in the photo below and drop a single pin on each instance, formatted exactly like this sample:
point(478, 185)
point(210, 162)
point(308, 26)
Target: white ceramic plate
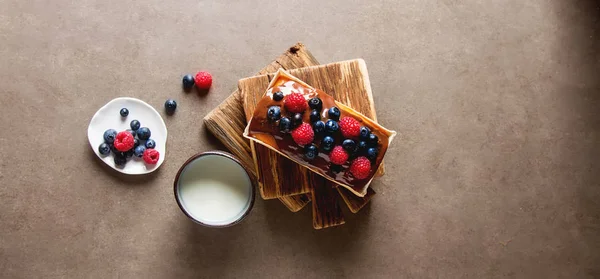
point(108, 117)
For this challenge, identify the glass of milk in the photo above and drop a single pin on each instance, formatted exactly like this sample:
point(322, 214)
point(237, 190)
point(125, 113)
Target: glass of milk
point(214, 189)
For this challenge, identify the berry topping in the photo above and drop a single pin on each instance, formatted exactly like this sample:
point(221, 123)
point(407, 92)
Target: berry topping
point(338, 156)
point(124, 112)
point(120, 160)
point(297, 119)
point(315, 103)
point(285, 125)
point(104, 149)
point(327, 143)
point(336, 168)
point(315, 115)
point(128, 153)
point(373, 139)
point(170, 106)
point(109, 135)
point(349, 145)
point(132, 132)
point(331, 126)
point(372, 153)
point(334, 113)
point(360, 168)
point(124, 141)
point(350, 127)
point(310, 151)
point(364, 133)
point(203, 80)
point(113, 149)
point(136, 142)
point(151, 156)
point(295, 102)
point(319, 127)
point(150, 143)
point(144, 133)
point(303, 135)
point(362, 147)
point(278, 96)
point(274, 113)
point(188, 82)
point(139, 151)
point(135, 125)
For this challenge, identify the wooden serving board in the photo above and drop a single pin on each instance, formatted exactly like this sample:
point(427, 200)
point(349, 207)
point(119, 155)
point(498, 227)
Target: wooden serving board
point(227, 121)
point(278, 176)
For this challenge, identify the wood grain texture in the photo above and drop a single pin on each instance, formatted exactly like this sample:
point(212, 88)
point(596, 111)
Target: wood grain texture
point(296, 202)
point(354, 202)
point(227, 121)
point(325, 207)
point(347, 81)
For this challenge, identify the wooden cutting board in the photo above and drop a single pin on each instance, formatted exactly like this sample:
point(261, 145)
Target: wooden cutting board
point(348, 82)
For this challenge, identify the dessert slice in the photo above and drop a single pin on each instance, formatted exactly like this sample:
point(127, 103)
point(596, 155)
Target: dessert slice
point(309, 127)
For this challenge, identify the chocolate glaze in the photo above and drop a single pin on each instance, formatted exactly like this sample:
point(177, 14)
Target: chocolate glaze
point(268, 132)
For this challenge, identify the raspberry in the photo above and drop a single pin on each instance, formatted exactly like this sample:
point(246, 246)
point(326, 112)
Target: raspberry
point(124, 141)
point(360, 168)
point(304, 134)
point(295, 102)
point(203, 80)
point(350, 127)
point(151, 156)
point(338, 155)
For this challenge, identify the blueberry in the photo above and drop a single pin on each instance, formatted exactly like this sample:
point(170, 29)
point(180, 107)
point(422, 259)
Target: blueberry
point(132, 132)
point(188, 82)
point(135, 125)
point(274, 113)
point(109, 135)
point(150, 144)
point(364, 133)
point(327, 143)
point(104, 149)
point(113, 149)
point(278, 96)
point(136, 142)
point(120, 160)
point(297, 119)
point(124, 112)
point(349, 145)
point(310, 151)
point(372, 153)
point(373, 139)
point(315, 103)
point(285, 125)
point(315, 115)
point(334, 113)
point(170, 106)
point(319, 127)
point(129, 153)
point(362, 147)
point(139, 151)
point(144, 133)
point(331, 126)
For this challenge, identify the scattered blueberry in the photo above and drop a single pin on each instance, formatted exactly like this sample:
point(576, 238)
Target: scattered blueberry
point(274, 113)
point(364, 133)
point(113, 149)
point(285, 125)
point(331, 126)
point(315, 103)
point(315, 115)
point(170, 106)
point(139, 151)
point(124, 112)
point(188, 82)
point(120, 160)
point(311, 151)
point(297, 119)
point(278, 96)
point(327, 143)
point(135, 125)
point(349, 145)
point(373, 139)
point(136, 142)
point(334, 113)
point(132, 132)
point(372, 153)
point(362, 147)
point(109, 135)
point(129, 153)
point(144, 133)
point(319, 127)
point(150, 144)
point(104, 149)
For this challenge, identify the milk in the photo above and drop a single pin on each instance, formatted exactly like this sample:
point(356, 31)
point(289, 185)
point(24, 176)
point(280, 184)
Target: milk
point(215, 190)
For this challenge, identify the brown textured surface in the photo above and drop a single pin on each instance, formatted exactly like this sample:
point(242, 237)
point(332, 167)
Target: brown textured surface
point(497, 103)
